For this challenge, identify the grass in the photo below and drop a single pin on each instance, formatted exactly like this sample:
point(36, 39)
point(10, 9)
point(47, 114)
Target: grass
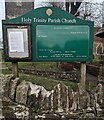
point(35, 65)
point(6, 65)
point(47, 82)
point(39, 65)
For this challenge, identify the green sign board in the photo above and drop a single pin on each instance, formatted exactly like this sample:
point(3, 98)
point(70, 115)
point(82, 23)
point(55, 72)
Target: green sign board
point(62, 42)
point(54, 35)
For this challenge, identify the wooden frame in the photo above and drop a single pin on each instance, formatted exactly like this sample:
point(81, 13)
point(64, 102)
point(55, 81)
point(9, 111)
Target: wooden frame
point(17, 41)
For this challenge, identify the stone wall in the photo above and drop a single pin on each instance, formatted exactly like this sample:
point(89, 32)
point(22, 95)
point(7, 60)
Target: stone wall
point(62, 75)
point(62, 100)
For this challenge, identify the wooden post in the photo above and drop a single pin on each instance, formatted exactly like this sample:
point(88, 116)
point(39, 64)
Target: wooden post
point(15, 69)
point(83, 75)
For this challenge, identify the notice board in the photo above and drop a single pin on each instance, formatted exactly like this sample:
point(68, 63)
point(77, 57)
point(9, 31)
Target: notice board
point(62, 42)
point(52, 35)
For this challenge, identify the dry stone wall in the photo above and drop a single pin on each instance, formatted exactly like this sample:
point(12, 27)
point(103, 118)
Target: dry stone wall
point(62, 75)
point(62, 99)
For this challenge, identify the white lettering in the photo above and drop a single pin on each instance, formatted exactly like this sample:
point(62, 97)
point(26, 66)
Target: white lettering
point(54, 20)
point(26, 20)
point(64, 20)
point(39, 20)
point(49, 20)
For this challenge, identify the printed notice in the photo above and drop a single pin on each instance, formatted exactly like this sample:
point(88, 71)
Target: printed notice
point(16, 43)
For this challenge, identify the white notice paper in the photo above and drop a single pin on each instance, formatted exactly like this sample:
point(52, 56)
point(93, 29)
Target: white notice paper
point(16, 43)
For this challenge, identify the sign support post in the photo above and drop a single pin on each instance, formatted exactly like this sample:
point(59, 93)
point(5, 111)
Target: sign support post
point(15, 69)
point(83, 75)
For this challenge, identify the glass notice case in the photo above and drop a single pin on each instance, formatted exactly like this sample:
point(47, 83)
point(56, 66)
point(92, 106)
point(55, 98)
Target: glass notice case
point(17, 41)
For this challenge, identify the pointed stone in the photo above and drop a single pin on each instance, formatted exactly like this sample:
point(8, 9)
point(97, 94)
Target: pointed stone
point(22, 92)
point(13, 87)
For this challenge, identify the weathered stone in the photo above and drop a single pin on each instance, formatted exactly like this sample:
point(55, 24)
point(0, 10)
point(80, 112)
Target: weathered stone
point(83, 101)
point(51, 116)
point(13, 86)
point(75, 103)
point(89, 115)
point(13, 111)
point(99, 93)
point(89, 109)
point(70, 98)
point(99, 118)
point(100, 114)
point(7, 108)
point(60, 109)
point(55, 98)
point(101, 79)
point(6, 84)
point(84, 98)
point(22, 92)
point(85, 115)
point(64, 97)
point(38, 97)
point(47, 106)
point(8, 113)
point(72, 116)
point(92, 100)
point(21, 112)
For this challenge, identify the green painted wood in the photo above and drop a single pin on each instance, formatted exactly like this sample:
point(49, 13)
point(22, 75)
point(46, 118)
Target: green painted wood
point(62, 42)
point(57, 35)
